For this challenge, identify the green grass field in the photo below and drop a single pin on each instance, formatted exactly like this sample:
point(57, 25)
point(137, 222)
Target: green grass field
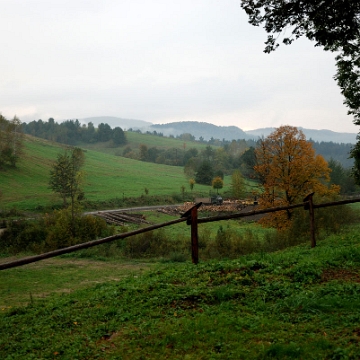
point(300, 303)
point(134, 140)
point(107, 177)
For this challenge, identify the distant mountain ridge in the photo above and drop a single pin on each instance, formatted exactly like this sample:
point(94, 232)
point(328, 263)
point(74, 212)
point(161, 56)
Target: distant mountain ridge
point(201, 129)
point(316, 135)
point(113, 121)
point(208, 131)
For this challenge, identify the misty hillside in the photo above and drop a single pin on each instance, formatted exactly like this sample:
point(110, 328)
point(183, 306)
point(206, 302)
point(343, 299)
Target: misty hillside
point(316, 135)
point(201, 129)
point(113, 121)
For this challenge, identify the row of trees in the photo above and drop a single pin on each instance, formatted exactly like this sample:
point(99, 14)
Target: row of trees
point(11, 141)
point(72, 132)
point(224, 158)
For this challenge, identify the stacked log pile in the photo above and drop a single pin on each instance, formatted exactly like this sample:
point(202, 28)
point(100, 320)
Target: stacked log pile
point(121, 218)
point(226, 206)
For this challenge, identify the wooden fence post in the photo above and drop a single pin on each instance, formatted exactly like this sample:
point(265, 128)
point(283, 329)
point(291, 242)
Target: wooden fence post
point(310, 206)
point(194, 236)
point(192, 219)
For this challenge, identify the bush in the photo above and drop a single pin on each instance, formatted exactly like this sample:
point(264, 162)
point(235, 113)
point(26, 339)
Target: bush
point(229, 244)
point(328, 221)
point(153, 244)
point(52, 232)
point(22, 235)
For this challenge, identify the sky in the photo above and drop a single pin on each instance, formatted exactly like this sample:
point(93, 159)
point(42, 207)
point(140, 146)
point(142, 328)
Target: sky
point(160, 61)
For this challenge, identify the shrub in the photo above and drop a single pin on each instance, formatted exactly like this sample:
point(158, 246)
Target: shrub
point(152, 244)
point(328, 221)
point(51, 232)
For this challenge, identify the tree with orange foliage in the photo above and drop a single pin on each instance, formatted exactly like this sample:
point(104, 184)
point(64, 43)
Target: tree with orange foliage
point(288, 170)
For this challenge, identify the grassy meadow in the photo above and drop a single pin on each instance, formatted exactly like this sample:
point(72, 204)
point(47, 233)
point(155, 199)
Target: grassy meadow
point(134, 140)
point(142, 298)
point(106, 177)
point(299, 303)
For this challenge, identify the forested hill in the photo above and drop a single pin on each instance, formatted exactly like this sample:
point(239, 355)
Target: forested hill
point(201, 130)
point(71, 132)
point(311, 134)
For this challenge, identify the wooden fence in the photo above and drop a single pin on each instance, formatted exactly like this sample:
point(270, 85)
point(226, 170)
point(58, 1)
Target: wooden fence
point(191, 218)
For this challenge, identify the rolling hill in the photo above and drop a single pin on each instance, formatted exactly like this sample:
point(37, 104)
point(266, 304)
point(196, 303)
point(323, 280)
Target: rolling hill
point(107, 177)
point(208, 131)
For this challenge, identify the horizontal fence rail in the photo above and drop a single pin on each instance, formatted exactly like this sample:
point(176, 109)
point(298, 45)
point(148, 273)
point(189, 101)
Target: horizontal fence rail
point(250, 213)
point(70, 249)
point(191, 218)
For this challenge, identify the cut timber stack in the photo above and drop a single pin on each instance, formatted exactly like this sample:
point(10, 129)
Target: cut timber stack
point(120, 218)
point(226, 206)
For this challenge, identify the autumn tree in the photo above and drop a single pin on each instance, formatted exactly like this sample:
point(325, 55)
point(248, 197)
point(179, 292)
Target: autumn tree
point(217, 183)
point(288, 169)
point(333, 25)
point(192, 183)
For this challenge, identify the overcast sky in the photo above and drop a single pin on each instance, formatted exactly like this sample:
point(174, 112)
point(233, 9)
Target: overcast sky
point(160, 61)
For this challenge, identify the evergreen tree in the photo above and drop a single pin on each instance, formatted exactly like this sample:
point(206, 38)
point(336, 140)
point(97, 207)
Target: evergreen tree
point(205, 173)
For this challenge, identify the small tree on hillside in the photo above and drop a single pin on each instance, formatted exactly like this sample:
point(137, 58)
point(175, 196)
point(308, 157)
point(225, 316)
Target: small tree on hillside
point(66, 179)
point(217, 183)
point(192, 183)
point(205, 173)
point(118, 136)
point(183, 189)
point(237, 184)
point(65, 175)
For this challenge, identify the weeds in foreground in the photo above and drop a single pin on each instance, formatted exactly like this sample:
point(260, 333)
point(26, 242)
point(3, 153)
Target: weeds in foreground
point(294, 304)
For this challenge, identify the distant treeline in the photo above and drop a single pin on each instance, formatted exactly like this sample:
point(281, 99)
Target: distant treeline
point(330, 150)
point(72, 132)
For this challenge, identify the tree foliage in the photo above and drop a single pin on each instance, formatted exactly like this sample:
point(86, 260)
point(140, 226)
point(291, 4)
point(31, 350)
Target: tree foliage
point(66, 179)
point(342, 177)
point(355, 154)
point(205, 173)
point(334, 25)
point(289, 170)
point(11, 141)
point(71, 132)
point(217, 183)
point(65, 175)
point(192, 183)
point(237, 185)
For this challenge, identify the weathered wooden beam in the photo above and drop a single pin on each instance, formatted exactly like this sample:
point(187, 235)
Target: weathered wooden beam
point(70, 249)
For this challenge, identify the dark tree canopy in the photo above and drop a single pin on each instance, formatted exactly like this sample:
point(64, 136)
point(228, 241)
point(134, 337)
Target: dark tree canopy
point(332, 24)
point(205, 173)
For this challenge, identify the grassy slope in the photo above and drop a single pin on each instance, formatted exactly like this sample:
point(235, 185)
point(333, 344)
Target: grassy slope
point(300, 303)
point(135, 140)
point(107, 177)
